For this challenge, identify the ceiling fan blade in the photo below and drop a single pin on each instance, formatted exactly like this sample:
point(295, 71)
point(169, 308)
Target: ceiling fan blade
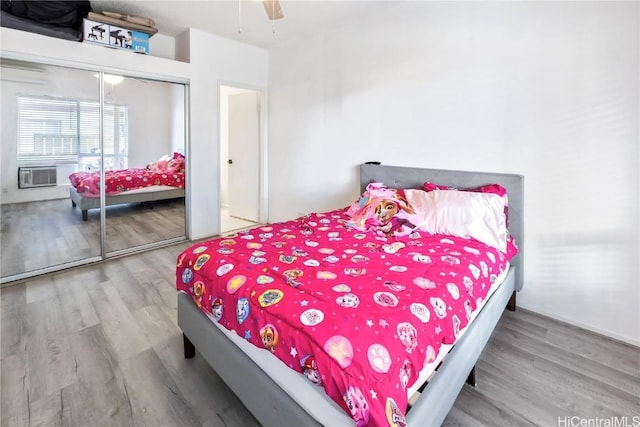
point(273, 9)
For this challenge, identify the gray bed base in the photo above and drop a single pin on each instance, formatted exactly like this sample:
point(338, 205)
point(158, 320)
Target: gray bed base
point(86, 203)
point(251, 383)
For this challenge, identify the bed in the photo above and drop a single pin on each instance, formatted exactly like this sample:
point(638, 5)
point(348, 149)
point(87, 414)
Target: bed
point(253, 374)
point(160, 180)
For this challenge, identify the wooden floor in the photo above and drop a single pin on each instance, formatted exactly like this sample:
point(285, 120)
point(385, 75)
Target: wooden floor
point(99, 346)
point(36, 235)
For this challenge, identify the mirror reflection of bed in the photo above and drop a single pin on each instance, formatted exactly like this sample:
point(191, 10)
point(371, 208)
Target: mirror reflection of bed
point(143, 204)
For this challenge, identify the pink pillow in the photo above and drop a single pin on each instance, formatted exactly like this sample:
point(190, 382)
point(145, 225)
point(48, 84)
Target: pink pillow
point(489, 188)
point(176, 164)
point(465, 214)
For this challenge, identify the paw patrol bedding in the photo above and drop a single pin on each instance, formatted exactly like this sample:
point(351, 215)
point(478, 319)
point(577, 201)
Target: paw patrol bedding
point(358, 313)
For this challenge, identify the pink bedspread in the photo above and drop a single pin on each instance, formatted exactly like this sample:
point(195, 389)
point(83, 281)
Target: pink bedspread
point(356, 312)
point(118, 181)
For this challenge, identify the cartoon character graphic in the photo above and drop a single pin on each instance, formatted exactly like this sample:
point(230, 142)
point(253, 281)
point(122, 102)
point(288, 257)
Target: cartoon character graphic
point(187, 276)
point(270, 297)
point(395, 417)
point(453, 290)
point(242, 310)
point(408, 336)
point(355, 272)
point(216, 308)
point(269, 336)
point(357, 405)
point(405, 373)
point(468, 284)
point(394, 286)
point(467, 309)
point(198, 292)
point(348, 300)
point(310, 369)
point(484, 268)
point(386, 213)
point(439, 307)
point(291, 277)
point(456, 325)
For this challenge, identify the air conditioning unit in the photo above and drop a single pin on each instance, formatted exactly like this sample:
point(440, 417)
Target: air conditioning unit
point(37, 176)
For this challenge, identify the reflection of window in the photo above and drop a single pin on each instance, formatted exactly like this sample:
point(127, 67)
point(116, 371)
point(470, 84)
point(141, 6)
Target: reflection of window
point(59, 130)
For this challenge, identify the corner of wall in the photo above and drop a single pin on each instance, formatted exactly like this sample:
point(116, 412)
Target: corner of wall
point(182, 46)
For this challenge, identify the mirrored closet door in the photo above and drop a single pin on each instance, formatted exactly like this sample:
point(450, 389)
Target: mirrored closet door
point(58, 208)
point(144, 146)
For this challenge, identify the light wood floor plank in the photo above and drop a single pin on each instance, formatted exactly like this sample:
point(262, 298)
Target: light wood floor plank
point(12, 321)
point(99, 396)
point(14, 391)
point(46, 411)
point(502, 388)
point(489, 411)
point(154, 396)
point(124, 335)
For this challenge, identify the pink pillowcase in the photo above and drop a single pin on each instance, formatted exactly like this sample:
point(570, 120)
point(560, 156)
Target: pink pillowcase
point(465, 214)
point(176, 164)
point(489, 188)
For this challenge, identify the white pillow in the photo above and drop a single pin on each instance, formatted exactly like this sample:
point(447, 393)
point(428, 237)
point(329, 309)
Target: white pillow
point(462, 213)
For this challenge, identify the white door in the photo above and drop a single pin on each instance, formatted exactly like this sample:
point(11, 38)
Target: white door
point(244, 156)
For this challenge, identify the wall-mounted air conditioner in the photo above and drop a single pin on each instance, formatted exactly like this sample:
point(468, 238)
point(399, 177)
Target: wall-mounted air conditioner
point(37, 176)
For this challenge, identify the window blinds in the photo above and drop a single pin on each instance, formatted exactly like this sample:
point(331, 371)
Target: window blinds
point(59, 129)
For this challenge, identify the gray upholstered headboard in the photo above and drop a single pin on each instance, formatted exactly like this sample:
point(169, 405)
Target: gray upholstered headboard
point(407, 177)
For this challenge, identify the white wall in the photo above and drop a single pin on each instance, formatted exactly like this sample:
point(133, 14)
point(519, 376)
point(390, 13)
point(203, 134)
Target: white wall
point(214, 60)
point(544, 89)
point(178, 118)
point(151, 115)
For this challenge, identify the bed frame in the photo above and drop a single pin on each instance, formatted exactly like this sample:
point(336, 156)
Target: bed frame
point(275, 399)
point(86, 203)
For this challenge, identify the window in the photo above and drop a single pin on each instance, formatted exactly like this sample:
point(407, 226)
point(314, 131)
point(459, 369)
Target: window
point(59, 130)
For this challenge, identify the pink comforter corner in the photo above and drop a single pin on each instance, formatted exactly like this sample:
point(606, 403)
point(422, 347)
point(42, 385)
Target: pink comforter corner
point(357, 313)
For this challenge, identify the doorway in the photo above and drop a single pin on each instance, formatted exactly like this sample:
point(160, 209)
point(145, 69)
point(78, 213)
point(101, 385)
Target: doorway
point(241, 158)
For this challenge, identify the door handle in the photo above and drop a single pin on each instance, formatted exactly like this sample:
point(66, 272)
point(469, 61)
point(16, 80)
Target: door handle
point(230, 161)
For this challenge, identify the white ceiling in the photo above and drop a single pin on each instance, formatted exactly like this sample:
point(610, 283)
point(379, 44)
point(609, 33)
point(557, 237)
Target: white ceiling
point(301, 17)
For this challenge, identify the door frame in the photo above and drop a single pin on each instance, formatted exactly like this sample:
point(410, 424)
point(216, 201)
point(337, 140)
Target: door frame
point(263, 132)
